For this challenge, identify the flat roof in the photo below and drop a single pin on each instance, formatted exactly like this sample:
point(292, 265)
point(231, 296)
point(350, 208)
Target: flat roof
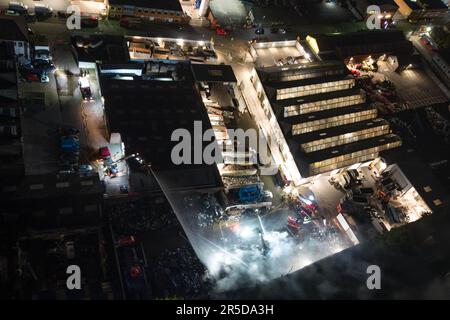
point(304, 67)
point(147, 112)
point(103, 48)
point(365, 42)
point(325, 114)
point(51, 201)
point(213, 72)
point(229, 12)
point(349, 148)
point(6, 52)
point(11, 153)
point(48, 186)
point(315, 97)
point(173, 5)
point(270, 55)
point(13, 28)
point(336, 131)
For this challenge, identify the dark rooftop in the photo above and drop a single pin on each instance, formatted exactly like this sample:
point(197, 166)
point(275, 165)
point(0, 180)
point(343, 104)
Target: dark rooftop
point(348, 148)
point(303, 67)
point(365, 42)
point(173, 5)
point(50, 201)
point(11, 155)
point(146, 113)
point(13, 28)
point(213, 72)
point(103, 48)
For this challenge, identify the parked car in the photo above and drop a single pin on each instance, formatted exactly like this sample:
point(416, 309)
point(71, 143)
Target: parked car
point(85, 168)
point(18, 7)
point(259, 31)
point(42, 54)
point(221, 31)
point(43, 65)
point(32, 77)
point(70, 145)
point(43, 10)
point(35, 76)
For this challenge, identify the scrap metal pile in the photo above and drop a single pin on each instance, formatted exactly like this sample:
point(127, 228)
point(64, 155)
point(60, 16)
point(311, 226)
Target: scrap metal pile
point(180, 274)
point(140, 216)
point(231, 182)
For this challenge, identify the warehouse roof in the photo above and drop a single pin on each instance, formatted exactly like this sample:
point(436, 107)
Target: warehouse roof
point(147, 112)
point(213, 72)
point(173, 5)
point(13, 28)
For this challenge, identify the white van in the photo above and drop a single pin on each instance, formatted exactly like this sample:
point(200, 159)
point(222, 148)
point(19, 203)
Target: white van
point(42, 9)
point(18, 7)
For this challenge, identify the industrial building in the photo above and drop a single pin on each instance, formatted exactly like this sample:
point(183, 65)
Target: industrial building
point(320, 118)
point(422, 9)
point(13, 29)
point(158, 11)
point(362, 43)
point(11, 152)
point(144, 104)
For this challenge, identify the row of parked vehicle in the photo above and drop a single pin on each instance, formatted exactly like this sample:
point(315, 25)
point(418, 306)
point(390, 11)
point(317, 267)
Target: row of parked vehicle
point(40, 9)
point(70, 149)
point(37, 70)
point(70, 152)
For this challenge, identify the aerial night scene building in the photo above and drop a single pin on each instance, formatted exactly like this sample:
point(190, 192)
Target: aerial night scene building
point(226, 150)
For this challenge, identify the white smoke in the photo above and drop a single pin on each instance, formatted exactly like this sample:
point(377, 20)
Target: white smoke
point(250, 265)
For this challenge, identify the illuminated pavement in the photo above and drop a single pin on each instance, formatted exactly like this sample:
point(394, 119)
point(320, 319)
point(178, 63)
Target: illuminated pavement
point(40, 128)
point(228, 11)
point(416, 88)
